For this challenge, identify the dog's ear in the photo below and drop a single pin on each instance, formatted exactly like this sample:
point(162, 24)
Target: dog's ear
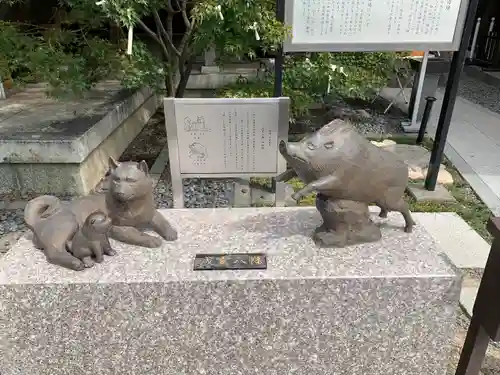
point(113, 163)
point(143, 166)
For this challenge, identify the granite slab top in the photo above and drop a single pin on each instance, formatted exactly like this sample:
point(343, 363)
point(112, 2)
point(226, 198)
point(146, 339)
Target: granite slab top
point(31, 115)
point(284, 234)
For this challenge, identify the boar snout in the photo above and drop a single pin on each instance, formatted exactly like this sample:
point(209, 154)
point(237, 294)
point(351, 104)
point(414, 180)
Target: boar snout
point(282, 148)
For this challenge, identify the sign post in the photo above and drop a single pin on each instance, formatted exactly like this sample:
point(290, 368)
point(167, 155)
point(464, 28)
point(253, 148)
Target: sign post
point(367, 25)
point(450, 96)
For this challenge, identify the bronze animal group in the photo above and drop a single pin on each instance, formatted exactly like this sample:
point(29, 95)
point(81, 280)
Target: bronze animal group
point(348, 173)
point(126, 200)
point(345, 170)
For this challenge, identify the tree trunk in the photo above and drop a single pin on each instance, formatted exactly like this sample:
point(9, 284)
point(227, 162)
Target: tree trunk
point(169, 83)
point(185, 74)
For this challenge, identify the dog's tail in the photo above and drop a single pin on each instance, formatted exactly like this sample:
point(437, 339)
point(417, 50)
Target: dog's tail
point(40, 208)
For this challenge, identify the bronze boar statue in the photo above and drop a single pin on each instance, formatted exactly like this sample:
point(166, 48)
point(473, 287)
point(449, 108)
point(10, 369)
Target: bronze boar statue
point(348, 173)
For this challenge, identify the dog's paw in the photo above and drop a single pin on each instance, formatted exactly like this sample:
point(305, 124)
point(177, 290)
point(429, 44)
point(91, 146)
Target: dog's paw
point(152, 242)
point(171, 236)
point(110, 252)
point(78, 265)
point(88, 263)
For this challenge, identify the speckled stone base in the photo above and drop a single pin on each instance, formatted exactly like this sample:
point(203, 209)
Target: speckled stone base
point(384, 308)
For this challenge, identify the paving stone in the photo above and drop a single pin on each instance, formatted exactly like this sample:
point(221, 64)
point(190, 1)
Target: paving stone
point(467, 299)
point(412, 155)
point(264, 197)
point(440, 194)
point(242, 193)
point(461, 243)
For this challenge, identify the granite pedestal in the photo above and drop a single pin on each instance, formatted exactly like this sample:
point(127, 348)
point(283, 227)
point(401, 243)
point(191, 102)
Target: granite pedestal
point(385, 308)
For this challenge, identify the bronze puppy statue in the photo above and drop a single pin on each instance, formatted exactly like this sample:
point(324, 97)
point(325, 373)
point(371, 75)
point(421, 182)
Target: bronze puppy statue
point(339, 163)
point(127, 200)
point(91, 240)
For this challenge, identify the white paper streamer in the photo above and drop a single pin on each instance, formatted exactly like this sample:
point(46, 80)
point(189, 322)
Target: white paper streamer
point(218, 8)
point(257, 36)
point(340, 69)
point(130, 40)
point(130, 33)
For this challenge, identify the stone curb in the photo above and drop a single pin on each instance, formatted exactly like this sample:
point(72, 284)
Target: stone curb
point(159, 165)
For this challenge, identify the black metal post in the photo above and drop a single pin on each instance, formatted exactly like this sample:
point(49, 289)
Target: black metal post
point(485, 321)
point(425, 118)
point(474, 349)
point(278, 64)
point(450, 95)
point(279, 59)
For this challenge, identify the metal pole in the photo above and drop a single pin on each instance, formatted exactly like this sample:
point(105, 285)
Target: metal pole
point(474, 349)
point(472, 53)
point(485, 322)
point(278, 61)
point(450, 95)
point(425, 118)
point(420, 86)
point(279, 187)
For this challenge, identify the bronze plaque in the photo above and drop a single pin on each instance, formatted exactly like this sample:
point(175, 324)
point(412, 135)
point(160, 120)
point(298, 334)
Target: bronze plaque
point(235, 261)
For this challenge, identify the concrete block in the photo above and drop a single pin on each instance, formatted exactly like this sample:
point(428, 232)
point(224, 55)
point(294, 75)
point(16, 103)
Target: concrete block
point(73, 164)
point(461, 243)
point(384, 308)
point(440, 194)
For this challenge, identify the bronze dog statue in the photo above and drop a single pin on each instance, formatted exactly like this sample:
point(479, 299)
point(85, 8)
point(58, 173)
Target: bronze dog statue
point(127, 200)
point(91, 241)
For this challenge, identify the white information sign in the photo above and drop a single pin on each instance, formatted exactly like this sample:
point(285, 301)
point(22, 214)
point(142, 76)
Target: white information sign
point(374, 25)
point(225, 138)
point(218, 138)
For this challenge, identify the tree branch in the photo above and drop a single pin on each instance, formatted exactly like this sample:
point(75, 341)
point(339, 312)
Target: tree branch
point(184, 14)
point(164, 32)
point(189, 30)
point(152, 34)
point(184, 78)
point(170, 8)
point(170, 21)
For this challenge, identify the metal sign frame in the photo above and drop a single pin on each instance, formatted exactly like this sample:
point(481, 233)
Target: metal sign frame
point(171, 125)
point(290, 46)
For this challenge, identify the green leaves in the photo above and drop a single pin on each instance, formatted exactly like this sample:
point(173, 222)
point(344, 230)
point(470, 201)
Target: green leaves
point(310, 78)
point(71, 62)
point(71, 56)
point(236, 27)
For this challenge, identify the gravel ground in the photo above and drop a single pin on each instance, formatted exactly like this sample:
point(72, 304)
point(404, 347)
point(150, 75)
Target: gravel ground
point(11, 228)
point(367, 117)
point(149, 143)
point(480, 93)
point(197, 193)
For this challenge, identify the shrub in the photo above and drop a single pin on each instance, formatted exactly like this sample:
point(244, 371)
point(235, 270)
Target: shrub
point(313, 78)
